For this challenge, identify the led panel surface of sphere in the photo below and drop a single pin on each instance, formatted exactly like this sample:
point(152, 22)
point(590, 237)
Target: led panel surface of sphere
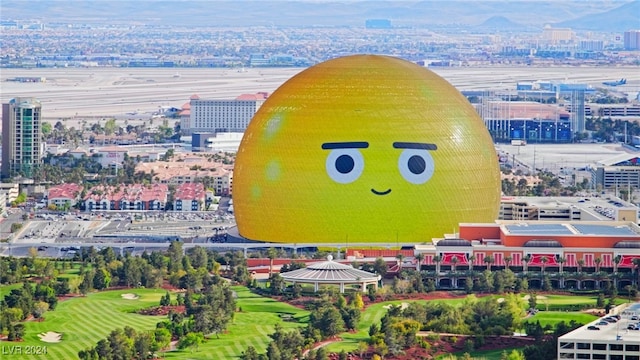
point(364, 148)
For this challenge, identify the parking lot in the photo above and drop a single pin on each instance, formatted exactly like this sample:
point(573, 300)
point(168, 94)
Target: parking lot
point(116, 227)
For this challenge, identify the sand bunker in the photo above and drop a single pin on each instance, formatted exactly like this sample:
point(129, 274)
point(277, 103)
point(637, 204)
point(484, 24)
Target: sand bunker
point(402, 306)
point(50, 337)
point(538, 297)
point(130, 296)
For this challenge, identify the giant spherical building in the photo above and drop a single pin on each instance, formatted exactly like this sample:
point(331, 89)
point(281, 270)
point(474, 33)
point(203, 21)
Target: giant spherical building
point(364, 148)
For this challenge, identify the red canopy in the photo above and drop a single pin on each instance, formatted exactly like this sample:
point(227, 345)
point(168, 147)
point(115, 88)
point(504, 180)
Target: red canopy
point(627, 260)
point(536, 260)
point(460, 257)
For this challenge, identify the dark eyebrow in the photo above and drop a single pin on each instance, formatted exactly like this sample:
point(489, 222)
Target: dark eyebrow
point(410, 145)
point(346, 145)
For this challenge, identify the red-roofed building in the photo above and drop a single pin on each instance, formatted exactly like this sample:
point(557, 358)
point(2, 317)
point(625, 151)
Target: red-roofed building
point(255, 97)
point(189, 197)
point(127, 197)
point(185, 116)
point(186, 168)
point(63, 195)
point(572, 252)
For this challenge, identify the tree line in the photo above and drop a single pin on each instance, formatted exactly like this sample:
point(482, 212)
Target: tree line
point(331, 314)
point(208, 311)
point(197, 271)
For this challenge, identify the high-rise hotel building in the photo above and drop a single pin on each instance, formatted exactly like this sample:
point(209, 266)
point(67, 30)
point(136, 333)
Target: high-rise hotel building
point(21, 137)
point(215, 116)
point(632, 40)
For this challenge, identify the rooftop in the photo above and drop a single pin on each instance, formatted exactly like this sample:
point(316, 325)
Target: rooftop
point(611, 332)
point(610, 229)
point(327, 272)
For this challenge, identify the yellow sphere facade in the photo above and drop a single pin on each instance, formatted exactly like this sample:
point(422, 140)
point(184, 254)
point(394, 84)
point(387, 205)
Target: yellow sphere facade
point(364, 149)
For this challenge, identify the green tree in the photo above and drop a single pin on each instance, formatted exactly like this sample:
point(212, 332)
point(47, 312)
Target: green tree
point(165, 300)
point(39, 309)
point(357, 301)
point(362, 348)
point(250, 354)
point(380, 267)
point(110, 126)
point(163, 337)
point(142, 345)
point(419, 259)
point(192, 340)
point(101, 279)
point(328, 320)
point(513, 355)
point(276, 284)
point(46, 128)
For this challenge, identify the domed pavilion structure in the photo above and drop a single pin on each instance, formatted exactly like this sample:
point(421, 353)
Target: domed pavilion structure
point(332, 273)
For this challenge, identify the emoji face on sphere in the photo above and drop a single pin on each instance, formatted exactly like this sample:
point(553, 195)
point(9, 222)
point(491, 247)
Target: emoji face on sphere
point(364, 149)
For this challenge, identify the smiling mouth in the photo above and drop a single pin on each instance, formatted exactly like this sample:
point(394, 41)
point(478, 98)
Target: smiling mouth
point(381, 192)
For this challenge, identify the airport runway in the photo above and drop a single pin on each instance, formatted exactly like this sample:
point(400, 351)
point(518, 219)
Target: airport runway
point(138, 92)
point(553, 157)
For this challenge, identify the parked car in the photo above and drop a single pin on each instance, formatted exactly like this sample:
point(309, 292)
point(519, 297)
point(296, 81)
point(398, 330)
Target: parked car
point(593, 327)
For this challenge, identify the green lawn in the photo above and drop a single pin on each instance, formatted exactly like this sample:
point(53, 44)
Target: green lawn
point(6, 289)
point(554, 317)
point(375, 312)
point(252, 327)
point(83, 321)
point(564, 302)
point(483, 355)
point(372, 314)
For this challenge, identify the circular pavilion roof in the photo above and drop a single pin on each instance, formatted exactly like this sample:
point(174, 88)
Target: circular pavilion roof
point(329, 272)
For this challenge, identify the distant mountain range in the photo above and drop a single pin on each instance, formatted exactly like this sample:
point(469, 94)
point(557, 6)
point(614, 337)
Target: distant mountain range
point(596, 15)
point(625, 17)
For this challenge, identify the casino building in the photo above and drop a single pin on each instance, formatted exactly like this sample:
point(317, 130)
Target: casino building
point(573, 254)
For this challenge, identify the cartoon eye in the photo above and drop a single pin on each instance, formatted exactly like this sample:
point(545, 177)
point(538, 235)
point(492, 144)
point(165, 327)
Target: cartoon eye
point(345, 165)
point(416, 165)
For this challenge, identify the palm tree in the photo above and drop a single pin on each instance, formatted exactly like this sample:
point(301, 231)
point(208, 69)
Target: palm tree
point(419, 259)
point(543, 262)
point(580, 265)
point(272, 253)
point(525, 262)
point(437, 259)
point(597, 261)
point(454, 280)
point(489, 260)
point(636, 266)
point(561, 261)
point(628, 290)
point(472, 259)
point(454, 262)
point(400, 259)
point(507, 261)
point(616, 262)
